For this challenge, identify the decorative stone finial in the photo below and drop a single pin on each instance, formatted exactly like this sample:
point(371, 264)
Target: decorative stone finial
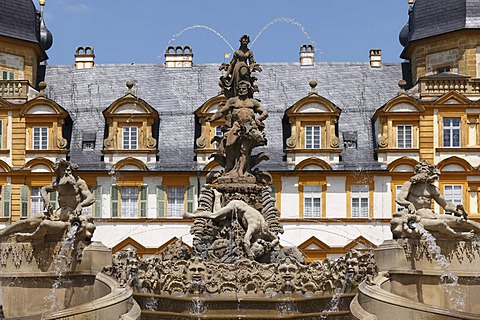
point(130, 84)
point(42, 85)
point(402, 84)
point(313, 85)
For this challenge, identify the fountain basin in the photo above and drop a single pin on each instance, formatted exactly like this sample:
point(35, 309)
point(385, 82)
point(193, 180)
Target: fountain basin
point(410, 284)
point(155, 306)
point(40, 283)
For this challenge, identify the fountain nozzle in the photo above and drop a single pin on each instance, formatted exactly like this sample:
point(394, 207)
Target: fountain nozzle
point(411, 224)
point(76, 224)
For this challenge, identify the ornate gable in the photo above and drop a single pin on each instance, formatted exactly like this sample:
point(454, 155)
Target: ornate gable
point(312, 129)
point(131, 124)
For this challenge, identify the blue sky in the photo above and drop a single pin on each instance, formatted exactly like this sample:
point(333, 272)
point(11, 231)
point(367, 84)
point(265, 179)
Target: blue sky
point(126, 31)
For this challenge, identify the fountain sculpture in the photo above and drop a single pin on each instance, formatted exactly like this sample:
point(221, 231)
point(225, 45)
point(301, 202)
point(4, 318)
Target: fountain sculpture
point(50, 268)
point(430, 269)
point(237, 269)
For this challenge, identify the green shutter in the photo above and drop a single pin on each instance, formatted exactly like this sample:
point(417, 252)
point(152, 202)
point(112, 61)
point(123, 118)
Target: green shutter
point(7, 198)
point(97, 206)
point(190, 198)
point(161, 212)
point(143, 201)
point(53, 199)
point(114, 202)
point(1, 134)
point(24, 202)
point(273, 193)
point(4, 75)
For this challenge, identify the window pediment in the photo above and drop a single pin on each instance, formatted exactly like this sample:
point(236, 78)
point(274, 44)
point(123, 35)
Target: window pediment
point(130, 108)
point(403, 107)
point(313, 108)
point(41, 109)
point(453, 97)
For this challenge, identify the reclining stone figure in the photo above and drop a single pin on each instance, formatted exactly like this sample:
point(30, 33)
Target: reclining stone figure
point(252, 219)
point(416, 196)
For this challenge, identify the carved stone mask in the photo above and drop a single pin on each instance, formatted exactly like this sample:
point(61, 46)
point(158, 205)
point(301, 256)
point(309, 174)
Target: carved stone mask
point(287, 270)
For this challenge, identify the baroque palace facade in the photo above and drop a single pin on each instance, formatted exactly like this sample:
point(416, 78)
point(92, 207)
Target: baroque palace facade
point(342, 137)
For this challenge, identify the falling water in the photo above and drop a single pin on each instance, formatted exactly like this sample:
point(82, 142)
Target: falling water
point(287, 20)
point(449, 279)
point(61, 262)
point(333, 305)
point(199, 26)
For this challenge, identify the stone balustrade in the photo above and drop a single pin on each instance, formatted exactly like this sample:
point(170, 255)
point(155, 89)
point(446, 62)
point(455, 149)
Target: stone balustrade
point(436, 86)
point(14, 89)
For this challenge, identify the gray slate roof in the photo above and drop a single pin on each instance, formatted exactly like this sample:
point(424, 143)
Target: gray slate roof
point(430, 18)
point(355, 88)
point(18, 20)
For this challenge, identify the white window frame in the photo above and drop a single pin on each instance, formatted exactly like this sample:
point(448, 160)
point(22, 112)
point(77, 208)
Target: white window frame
point(8, 75)
point(312, 201)
point(313, 137)
point(175, 202)
point(36, 201)
point(398, 189)
point(40, 138)
point(453, 193)
point(360, 201)
point(129, 202)
point(130, 138)
point(404, 136)
point(451, 131)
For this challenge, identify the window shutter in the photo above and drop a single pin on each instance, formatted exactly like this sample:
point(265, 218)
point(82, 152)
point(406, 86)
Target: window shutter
point(24, 202)
point(273, 193)
point(114, 202)
point(143, 201)
point(53, 199)
point(97, 206)
point(7, 198)
point(161, 212)
point(190, 198)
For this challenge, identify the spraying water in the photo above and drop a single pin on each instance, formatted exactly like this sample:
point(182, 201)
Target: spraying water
point(287, 20)
point(449, 279)
point(200, 26)
point(61, 262)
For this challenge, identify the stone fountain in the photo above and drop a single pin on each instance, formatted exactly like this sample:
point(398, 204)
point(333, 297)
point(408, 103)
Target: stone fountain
point(430, 269)
point(49, 267)
point(237, 269)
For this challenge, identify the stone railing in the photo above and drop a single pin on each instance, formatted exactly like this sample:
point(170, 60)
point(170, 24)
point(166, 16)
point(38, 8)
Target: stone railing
point(14, 89)
point(439, 86)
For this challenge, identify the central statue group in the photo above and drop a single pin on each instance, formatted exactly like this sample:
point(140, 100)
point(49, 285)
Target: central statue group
point(236, 195)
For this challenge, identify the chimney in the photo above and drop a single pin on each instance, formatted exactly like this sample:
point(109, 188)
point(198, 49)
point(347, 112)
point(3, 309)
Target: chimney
point(84, 57)
point(178, 57)
point(376, 58)
point(307, 55)
point(410, 2)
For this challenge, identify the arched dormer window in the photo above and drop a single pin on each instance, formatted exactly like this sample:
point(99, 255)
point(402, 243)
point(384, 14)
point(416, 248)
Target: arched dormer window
point(205, 142)
point(313, 129)
point(131, 130)
point(48, 129)
point(396, 127)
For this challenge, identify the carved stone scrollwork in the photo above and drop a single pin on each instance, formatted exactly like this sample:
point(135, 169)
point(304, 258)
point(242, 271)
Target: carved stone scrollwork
point(151, 143)
point(382, 141)
point(335, 142)
point(108, 143)
point(61, 143)
point(292, 140)
point(201, 142)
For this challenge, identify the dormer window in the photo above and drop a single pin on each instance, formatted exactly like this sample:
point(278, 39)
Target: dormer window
point(8, 75)
point(130, 138)
point(312, 137)
point(40, 138)
point(443, 69)
point(404, 136)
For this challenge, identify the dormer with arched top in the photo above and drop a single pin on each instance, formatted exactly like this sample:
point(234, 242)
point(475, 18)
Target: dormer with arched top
point(131, 130)
point(43, 129)
point(397, 128)
point(313, 127)
point(205, 141)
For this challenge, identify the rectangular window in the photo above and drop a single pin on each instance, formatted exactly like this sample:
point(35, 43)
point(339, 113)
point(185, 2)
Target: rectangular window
point(88, 145)
point(218, 133)
point(8, 75)
point(451, 132)
point(312, 201)
point(40, 138)
point(36, 201)
point(175, 200)
point(359, 197)
point(129, 202)
point(398, 207)
point(453, 193)
point(404, 136)
point(130, 138)
point(312, 137)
